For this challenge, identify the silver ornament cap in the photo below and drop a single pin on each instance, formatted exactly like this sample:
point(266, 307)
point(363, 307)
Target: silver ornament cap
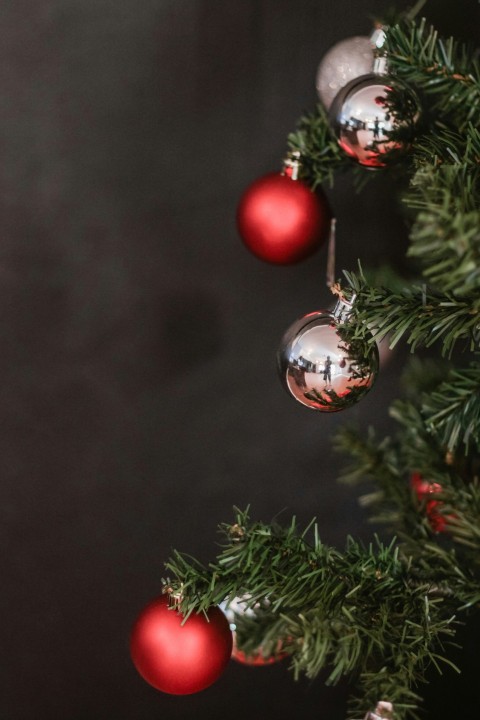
point(320, 369)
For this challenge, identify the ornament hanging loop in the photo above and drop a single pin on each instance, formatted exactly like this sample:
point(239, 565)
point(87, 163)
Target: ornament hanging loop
point(378, 37)
point(331, 253)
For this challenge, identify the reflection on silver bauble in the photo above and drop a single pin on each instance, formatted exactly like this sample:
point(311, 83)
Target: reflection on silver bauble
point(233, 608)
point(345, 61)
point(363, 122)
point(383, 711)
point(319, 369)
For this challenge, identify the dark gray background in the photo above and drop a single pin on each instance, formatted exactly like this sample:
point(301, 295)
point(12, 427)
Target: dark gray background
point(139, 396)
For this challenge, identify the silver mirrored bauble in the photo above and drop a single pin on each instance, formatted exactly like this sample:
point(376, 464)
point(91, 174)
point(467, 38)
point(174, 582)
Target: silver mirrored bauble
point(345, 61)
point(363, 122)
point(320, 369)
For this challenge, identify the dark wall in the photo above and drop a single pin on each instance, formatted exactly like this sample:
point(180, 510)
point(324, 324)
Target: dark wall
point(139, 399)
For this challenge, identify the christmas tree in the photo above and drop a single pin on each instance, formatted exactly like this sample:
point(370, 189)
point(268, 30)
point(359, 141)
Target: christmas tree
point(384, 614)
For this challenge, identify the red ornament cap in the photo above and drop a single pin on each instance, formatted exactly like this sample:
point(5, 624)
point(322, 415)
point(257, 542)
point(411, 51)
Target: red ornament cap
point(177, 658)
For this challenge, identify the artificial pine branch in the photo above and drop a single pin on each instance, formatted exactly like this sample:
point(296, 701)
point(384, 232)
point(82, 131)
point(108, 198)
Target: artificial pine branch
point(366, 612)
point(445, 236)
point(442, 70)
point(378, 462)
point(418, 315)
point(321, 155)
point(452, 411)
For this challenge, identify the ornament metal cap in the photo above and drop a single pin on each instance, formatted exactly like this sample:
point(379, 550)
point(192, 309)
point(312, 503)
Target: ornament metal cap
point(292, 165)
point(380, 65)
point(343, 308)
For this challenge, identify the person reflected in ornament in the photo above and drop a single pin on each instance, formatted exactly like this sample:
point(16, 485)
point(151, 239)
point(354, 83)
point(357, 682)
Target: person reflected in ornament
point(327, 371)
point(376, 129)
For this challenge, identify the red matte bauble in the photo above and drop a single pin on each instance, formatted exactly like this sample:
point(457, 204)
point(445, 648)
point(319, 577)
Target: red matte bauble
point(281, 220)
point(180, 659)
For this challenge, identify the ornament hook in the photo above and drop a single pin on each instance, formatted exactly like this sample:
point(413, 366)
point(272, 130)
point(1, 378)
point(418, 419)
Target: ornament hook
point(331, 253)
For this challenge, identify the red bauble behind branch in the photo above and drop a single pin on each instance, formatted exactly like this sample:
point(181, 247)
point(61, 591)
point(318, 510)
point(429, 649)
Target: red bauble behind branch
point(180, 659)
point(257, 659)
point(424, 490)
point(281, 220)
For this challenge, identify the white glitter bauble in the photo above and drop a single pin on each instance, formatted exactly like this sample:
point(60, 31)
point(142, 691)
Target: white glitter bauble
point(345, 61)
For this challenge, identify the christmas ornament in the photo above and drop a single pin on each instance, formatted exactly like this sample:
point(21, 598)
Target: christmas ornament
point(319, 368)
point(177, 658)
point(257, 659)
point(423, 490)
point(383, 711)
point(281, 220)
point(364, 122)
point(345, 61)
point(238, 608)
